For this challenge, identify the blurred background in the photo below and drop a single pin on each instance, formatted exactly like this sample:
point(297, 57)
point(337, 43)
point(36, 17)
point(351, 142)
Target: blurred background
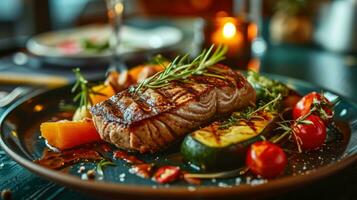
point(310, 40)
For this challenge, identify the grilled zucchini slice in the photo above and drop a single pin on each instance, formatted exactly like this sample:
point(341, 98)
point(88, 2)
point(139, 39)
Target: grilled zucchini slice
point(214, 147)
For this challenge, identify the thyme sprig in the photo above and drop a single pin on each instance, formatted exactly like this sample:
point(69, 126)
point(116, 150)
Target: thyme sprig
point(84, 89)
point(317, 108)
point(286, 126)
point(250, 113)
point(181, 68)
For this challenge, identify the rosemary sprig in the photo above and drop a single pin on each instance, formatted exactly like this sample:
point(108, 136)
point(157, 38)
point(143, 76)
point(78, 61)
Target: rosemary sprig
point(250, 113)
point(84, 90)
point(181, 68)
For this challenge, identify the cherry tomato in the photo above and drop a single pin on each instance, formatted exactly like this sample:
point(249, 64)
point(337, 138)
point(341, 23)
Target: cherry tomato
point(310, 133)
point(324, 109)
point(266, 159)
point(167, 174)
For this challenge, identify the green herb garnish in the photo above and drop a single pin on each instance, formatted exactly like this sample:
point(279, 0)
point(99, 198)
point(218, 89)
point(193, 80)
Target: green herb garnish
point(100, 166)
point(269, 94)
point(286, 125)
point(94, 46)
point(84, 89)
point(181, 68)
point(224, 174)
point(250, 112)
point(265, 88)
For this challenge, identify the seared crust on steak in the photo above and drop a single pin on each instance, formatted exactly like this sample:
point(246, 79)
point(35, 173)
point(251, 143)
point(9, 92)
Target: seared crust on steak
point(151, 120)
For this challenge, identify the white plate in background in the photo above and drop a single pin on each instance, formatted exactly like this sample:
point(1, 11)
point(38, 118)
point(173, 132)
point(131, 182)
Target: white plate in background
point(66, 43)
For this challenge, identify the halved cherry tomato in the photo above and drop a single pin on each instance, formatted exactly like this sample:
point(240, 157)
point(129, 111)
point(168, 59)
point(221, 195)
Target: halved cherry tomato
point(167, 174)
point(323, 107)
point(310, 133)
point(266, 159)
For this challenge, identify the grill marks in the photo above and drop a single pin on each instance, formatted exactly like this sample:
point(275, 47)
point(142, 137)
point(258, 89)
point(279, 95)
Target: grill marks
point(202, 110)
point(151, 120)
point(121, 107)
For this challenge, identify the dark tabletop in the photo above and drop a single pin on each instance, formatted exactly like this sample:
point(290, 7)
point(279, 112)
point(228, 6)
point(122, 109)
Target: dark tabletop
point(335, 72)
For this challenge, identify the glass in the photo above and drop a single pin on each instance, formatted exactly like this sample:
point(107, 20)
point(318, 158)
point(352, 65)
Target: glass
point(115, 16)
point(240, 32)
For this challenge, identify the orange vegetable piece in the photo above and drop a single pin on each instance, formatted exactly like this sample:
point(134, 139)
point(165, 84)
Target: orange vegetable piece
point(135, 72)
point(68, 134)
point(106, 90)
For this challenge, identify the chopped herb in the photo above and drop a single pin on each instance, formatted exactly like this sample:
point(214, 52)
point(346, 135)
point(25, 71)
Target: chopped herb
point(100, 166)
point(181, 68)
point(266, 88)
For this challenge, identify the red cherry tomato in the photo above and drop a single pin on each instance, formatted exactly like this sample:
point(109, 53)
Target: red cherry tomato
point(309, 136)
point(167, 174)
point(266, 159)
point(305, 104)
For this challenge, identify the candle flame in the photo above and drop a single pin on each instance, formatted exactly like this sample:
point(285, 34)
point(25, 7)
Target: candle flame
point(229, 30)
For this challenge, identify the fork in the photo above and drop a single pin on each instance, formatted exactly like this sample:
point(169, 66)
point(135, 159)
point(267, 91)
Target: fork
point(13, 95)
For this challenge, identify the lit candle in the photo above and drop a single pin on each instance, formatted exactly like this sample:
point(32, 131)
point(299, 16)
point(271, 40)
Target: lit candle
point(227, 33)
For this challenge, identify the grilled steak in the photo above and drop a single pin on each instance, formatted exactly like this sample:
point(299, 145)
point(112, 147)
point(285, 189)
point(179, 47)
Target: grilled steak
point(151, 120)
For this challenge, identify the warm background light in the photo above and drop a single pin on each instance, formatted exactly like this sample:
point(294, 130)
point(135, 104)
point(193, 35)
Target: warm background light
point(229, 30)
point(119, 8)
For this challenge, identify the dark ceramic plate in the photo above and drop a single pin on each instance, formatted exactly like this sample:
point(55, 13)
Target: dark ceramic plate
point(20, 139)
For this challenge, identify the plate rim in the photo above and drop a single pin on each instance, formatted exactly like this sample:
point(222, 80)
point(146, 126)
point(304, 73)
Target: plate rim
point(67, 180)
point(33, 44)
